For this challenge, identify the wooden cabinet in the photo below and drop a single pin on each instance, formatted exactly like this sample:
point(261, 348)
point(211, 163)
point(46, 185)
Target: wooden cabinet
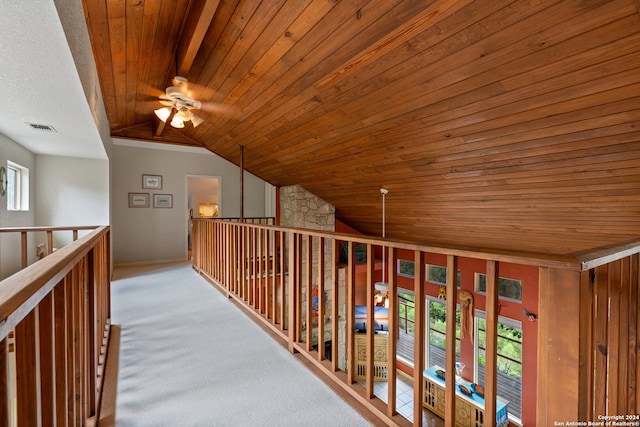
point(469, 409)
point(380, 346)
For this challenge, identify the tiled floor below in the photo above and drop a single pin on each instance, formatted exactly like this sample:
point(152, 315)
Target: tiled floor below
point(404, 400)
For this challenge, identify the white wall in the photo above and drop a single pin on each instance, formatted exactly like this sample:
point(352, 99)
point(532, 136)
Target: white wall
point(10, 255)
point(152, 234)
point(63, 191)
point(71, 191)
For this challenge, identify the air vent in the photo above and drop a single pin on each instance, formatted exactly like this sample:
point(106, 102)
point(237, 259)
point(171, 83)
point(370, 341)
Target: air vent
point(42, 128)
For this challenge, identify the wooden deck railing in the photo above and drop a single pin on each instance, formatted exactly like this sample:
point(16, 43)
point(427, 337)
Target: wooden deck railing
point(276, 272)
point(54, 329)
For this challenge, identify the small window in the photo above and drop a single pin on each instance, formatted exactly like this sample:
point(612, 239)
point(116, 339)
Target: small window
point(406, 268)
point(17, 187)
point(437, 274)
point(510, 289)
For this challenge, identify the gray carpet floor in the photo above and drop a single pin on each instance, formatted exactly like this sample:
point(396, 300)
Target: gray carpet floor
point(190, 357)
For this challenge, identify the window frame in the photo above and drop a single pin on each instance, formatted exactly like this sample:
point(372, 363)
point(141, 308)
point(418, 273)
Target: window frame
point(428, 277)
point(18, 189)
point(408, 361)
point(476, 286)
point(399, 268)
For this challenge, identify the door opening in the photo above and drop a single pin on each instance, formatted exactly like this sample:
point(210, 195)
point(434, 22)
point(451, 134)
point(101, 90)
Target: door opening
point(203, 201)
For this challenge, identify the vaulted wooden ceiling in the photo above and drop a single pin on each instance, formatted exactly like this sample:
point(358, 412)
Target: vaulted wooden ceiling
point(504, 124)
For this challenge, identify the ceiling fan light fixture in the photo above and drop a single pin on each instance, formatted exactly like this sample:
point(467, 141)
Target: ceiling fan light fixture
point(184, 114)
point(177, 122)
point(163, 113)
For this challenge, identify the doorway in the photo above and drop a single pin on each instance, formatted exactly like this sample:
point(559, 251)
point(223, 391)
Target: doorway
point(203, 201)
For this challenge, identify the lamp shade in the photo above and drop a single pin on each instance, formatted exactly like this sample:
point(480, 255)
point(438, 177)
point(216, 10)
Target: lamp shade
point(163, 113)
point(177, 122)
point(381, 286)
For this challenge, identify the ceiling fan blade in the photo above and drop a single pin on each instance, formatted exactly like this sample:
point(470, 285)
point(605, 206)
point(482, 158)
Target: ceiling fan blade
point(166, 103)
point(150, 91)
point(217, 108)
point(196, 120)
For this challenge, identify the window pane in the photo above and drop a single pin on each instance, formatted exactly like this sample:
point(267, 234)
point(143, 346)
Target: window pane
point(437, 333)
point(406, 309)
point(509, 360)
point(438, 274)
point(12, 193)
point(507, 288)
point(406, 268)
point(17, 187)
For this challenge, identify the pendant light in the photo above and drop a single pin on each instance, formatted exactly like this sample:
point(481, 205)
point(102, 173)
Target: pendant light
point(382, 286)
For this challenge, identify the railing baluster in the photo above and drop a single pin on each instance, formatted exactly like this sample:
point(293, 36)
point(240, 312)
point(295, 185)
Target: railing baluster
point(393, 331)
point(281, 290)
point(370, 328)
point(5, 385)
point(49, 242)
point(419, 334)
point(60, 355)
point(491, 373)
point(291, 285)
point(351, 303)
point(266, 299)
point(46, 346)
point(26, 370)
point(92, 333)
point(71, 360)
point(253, 248)
point(260, 299)
point(335, 303)
point(308, 290)
point(23, 247)
point(297, 283)
point(321, 303)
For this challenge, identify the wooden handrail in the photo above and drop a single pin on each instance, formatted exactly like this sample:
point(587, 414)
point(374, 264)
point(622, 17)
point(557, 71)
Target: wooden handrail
point(23, 231)
point(52, 228)
point(59, 312)
point(22, 291)
point(515, 257)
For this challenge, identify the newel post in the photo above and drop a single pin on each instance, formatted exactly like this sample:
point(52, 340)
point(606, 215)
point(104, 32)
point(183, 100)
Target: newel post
point(561, 365)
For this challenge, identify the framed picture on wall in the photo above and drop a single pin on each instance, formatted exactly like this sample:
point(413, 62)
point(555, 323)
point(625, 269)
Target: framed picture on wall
point(153, 182)
point(163, 200)
point(138, 200)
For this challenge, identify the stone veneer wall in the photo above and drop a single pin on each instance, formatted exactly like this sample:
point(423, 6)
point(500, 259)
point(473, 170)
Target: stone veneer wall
point(301, 209)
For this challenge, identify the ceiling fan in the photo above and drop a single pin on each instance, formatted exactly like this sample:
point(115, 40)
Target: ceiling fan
point(178, 98)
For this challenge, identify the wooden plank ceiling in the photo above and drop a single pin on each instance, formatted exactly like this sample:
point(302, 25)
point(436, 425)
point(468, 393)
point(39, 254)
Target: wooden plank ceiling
point(493, 123)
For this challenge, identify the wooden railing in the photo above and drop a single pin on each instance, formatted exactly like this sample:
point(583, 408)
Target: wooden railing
point(275, 272)
point(54, 326)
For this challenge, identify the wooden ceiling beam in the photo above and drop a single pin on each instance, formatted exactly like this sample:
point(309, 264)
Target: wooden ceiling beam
point(193, 33)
